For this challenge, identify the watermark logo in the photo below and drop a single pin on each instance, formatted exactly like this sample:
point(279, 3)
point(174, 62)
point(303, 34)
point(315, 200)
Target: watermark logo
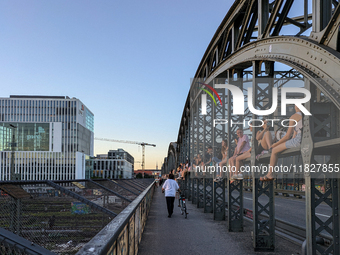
point(204, 97)
point(238, 99)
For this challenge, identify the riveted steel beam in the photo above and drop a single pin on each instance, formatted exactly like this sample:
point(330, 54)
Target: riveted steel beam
point(322, 12)
point(330, 197)
point(194, 191)
point(219, 200)
point(235, 205)
point(315, 58)
point(235, 188)
point(242, 17)
point(208, 195)
point(313, 61)
point(200, 188)
point(189, 186)
point(246, 23)
point(186, 186)
point(263, 232)
point(219, 131)
point(235, 10)
point(265, 25)
point(282, 17)
point(329, 35)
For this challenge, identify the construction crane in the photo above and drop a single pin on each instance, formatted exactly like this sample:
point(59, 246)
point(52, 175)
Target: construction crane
point(131, 142)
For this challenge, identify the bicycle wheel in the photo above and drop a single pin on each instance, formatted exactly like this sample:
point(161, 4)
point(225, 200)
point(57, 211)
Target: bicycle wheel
point(185, 209)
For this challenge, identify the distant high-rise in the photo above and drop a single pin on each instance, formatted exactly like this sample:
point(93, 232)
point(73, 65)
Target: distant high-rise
point(53, 136)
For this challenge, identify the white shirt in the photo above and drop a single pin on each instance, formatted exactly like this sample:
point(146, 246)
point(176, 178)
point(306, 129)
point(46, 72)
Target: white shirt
point(246, 147)
point(170, 186)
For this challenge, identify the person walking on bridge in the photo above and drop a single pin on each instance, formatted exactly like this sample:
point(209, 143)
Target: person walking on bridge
point(170, 187)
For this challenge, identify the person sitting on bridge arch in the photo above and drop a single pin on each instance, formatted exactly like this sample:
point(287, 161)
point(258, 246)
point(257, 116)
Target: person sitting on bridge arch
point(199, 160)
point(179, 170)
point(208, 156)
point(242, 147)
point(221, 163)
point(193, 163)
point(264, 139)
point(292, 139)
point(185, 169)
point(198, 163)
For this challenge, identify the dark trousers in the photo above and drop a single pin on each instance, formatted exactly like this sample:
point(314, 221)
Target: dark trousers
point(170, 204)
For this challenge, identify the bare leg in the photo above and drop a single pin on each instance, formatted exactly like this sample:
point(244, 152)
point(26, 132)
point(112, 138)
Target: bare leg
point(232, 163)
point(274, 158)
point(266, 141)
point(221, 164)
point(239, 160)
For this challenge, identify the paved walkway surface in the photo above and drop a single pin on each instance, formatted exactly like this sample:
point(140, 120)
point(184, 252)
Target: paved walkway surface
point(198, 234)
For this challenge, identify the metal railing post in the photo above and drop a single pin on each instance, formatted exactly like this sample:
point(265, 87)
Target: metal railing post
point(219, 200)
point(208, 195)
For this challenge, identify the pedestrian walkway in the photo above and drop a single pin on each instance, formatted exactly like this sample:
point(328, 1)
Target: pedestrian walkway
point(198, 234)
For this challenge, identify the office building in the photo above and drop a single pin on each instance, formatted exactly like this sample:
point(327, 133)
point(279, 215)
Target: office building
point(49, 137)
point(116, 164)
point(121, 154)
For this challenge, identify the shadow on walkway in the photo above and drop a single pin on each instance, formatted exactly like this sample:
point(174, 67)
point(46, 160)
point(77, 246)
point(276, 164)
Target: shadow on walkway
point(198, 234)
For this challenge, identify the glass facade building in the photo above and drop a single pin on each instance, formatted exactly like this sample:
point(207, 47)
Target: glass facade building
point(28, 136)
point(49, 136)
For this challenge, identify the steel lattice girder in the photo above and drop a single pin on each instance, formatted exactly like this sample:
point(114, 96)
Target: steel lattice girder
point(194, 190)
point(317, 63)
point(200, 187)
point(235, 205)
point(313, 197)
point(219, 200)
point(208, 195)
point(188, 192)
point(315, 57)
point(264, 234)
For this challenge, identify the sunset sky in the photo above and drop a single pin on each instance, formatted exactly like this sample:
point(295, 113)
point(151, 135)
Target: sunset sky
point(130, 62)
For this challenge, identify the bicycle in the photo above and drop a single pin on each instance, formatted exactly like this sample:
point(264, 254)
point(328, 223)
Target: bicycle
point(182, 204)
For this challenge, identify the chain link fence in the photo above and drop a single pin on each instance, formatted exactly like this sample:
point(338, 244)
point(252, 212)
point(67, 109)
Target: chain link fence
point(61, 223)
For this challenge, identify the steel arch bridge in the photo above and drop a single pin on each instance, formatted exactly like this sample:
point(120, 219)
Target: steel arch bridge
point(261, 43)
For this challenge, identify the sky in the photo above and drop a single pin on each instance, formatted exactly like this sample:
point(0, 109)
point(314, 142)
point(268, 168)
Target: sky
point(130, 62)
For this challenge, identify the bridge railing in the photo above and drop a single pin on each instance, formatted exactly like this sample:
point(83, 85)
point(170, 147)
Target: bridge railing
point(123, 234)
